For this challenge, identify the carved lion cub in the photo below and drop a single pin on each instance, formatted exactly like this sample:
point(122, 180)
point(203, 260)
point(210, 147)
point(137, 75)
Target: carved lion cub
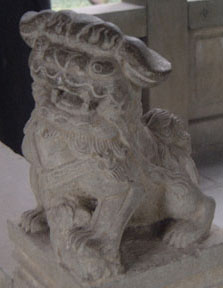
point(97, 165)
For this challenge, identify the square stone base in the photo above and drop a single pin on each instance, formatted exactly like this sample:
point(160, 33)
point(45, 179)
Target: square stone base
point(148, 263)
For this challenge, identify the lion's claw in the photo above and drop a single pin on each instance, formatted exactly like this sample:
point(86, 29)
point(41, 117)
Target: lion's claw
point(79, 235)
point(33, 221)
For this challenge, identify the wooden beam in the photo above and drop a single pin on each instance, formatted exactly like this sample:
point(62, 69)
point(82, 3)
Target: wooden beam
point(205, 13)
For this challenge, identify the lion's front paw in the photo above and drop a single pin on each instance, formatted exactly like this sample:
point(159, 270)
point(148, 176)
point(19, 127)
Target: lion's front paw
point(96, 255)
point(86, 238)
point(34, 221)
point(182, 234)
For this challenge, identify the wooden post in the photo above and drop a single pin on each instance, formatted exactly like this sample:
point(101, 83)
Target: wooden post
point(168, 35)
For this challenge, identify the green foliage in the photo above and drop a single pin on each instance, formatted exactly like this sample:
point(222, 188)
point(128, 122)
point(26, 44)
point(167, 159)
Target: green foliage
point(69, 4)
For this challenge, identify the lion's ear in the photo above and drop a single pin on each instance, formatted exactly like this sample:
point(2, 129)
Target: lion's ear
point(141, 65)
point(31, 25)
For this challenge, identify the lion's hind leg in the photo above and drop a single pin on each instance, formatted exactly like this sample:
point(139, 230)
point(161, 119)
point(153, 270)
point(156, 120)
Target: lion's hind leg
point(192, 211)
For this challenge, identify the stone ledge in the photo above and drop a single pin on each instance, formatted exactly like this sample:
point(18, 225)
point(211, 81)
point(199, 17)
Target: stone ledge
point(149, 264)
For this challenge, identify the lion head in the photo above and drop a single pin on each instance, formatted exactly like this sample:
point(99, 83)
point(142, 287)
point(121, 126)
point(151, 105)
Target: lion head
point(88, 63)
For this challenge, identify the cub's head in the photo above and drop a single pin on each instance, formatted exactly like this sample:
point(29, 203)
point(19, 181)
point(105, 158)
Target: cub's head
point(168, 128)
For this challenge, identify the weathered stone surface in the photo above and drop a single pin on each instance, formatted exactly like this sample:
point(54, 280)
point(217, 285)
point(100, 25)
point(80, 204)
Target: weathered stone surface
point(5, 280)
point(97, 164)
point(149, 263)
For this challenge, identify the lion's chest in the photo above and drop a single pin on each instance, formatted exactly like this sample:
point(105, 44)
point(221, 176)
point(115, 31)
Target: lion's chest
point(46, 146)
point(52, 148)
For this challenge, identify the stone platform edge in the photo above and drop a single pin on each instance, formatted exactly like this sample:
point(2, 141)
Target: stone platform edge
point(201, 269)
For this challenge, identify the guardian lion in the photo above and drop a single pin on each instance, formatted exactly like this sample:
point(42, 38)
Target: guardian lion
point(97, 164)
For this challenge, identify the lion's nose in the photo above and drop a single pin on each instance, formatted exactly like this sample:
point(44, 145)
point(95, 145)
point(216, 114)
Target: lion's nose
point(162, 74)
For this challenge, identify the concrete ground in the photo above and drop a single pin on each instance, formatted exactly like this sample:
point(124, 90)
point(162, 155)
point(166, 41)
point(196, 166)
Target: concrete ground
point(16, 196)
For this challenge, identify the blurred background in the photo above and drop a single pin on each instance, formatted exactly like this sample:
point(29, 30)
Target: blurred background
point(69, 4)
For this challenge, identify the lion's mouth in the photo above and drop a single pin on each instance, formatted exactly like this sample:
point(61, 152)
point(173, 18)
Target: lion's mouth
point(66, 100)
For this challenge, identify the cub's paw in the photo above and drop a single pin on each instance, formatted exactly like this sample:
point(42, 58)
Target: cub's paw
point(33, 221)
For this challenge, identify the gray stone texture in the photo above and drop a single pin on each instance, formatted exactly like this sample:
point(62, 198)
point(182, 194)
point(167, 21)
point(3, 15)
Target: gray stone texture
point(103, 175)
point(5, 280)
point(98, 165)
point(16, 193)
point(148, 264)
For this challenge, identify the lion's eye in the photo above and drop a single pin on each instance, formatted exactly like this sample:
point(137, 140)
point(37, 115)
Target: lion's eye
point(103, 67)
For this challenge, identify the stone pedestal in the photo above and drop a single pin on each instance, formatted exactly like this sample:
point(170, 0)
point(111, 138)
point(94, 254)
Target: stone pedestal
point(148, 263)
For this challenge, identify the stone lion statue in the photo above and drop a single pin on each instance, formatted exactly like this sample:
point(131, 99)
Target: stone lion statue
point(97, 164)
